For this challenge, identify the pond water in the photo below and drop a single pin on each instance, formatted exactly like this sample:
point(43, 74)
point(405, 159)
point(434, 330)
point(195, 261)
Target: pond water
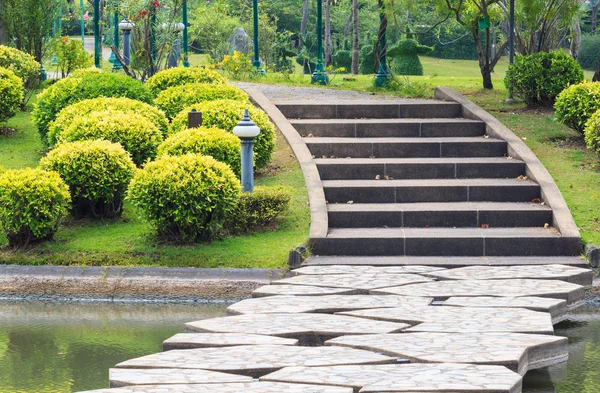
point(69, 347)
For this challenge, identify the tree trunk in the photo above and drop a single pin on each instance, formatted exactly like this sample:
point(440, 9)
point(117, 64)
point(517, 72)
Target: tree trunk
point(484, 61)
point(576, 40)
point(595, 17)
point(328, 48)
point(355, 43)
point(347, 26)
point(597, 74)
point(304, 22)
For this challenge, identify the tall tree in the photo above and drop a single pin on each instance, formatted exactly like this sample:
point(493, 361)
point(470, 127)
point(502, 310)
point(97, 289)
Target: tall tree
point(597, 74)
point(595, 17)
point(328, 48)
point(304, 23)
point(355, 37)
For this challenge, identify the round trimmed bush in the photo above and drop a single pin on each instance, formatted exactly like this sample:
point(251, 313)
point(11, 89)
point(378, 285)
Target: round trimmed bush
point(11, 94)
point(134, 132)
point(97, 173)
point(81, 87)
point(186, 198)
point(539, 78)
point(225, 114)
point(174, 99)
point(179, 76)
point(219, 144)
point(576, 104)
point(588, 52)
point(592, 131)
point(32, 201)
point(22, 64)
point(126, 105)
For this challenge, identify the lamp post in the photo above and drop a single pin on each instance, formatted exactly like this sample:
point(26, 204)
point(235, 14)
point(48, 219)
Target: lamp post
point(512, 45)
point(383, 73)
point(246, 130)
point(126, 26)
point(82, 21)
point(57, 9)
point(320, 75)
point(257, 64)
point(97, 48)
point(117, 44)
point(152, 67)
point(176, 49)
point(184, 13)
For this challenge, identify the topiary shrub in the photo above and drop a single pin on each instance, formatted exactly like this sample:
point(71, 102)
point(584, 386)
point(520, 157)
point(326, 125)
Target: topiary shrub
point(179, 76)
point(174, 99)
point(84, 86)
point(219, 144)
point(258, 209)
point(97, 173)
point(576, 104)
point(11, 94)
point(592, 131)
point(22, 64)
point(406, 57)
point(225, 114)
point(186, 198)
point(539, 78)
point(343, 58)
point(102, 104)
point(588, 52)
point(367, 60)
point(134, 132)
point(32, 201)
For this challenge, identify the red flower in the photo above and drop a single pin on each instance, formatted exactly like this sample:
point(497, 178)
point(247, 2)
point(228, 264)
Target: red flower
point(156, 4)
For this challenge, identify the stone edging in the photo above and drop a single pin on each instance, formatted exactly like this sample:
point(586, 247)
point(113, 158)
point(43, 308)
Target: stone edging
point(535, 170)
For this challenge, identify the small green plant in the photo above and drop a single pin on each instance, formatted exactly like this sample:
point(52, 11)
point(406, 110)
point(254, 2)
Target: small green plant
point(186, 198)
point(405, 55)
point(32, 201)
point(258, 209)
point(179, 76)
point(592, 131)
point(219, 144)
point(11, 94)
point(97, 173)
point(71, 56)
point(238, 66)
point(576, 104)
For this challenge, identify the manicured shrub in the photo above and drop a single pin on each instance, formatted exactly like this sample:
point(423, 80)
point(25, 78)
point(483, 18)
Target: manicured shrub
point(32, 201)
point(179, 76)
point(174, 99)
point(101, 104)
point(134, 132)
point(225, 114)
point(83, 86)
point(589, 51)
point(11, 94)
point(343, 58)
point(258, 209)
point(539, 78)
point(22, 64)
point(186, 198)
point(576, 104)
point(406, 57)
point(219, 144)
point(97, 173)
point(592, 131)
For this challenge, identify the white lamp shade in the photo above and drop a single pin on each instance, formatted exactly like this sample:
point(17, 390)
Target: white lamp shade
point(246, 131)
point(126, 25)
point(173, 26)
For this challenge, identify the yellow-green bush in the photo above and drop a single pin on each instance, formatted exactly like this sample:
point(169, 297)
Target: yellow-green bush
point(32, 201)
point(178, 76)
point(186, 198)
point(576, 104)
point(11, 94)
point(134, 132)
point(219, 144)
point(82, 86)
point(97, 173)
point(22, 64)
point(174, 99)
point(592, 131)
point(101, 104)
point(258, 209)
point(225, 114)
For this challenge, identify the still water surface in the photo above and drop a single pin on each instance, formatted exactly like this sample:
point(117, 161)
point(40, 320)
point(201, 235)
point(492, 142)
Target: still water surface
point(69, 347)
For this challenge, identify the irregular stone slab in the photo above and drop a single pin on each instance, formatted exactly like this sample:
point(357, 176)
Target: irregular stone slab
point(462, 319)
point(328, 304)
point(307, 328)
point(411, 377)
point(120, 377)
point(250, 387)
point(441, 290)
point(352, 269)
point(361, 282)
point(570, 274)
point(209, 340)
point(557, 308)
point(518, 352)
point(255, 360)
point(301, 290)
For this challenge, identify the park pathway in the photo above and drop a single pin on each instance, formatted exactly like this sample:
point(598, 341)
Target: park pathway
point(443, 256)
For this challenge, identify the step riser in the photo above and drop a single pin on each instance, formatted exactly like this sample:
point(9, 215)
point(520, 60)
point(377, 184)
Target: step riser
point(380, 111)
point(525, 193)
point(447, 219)
point(391, 130)
point(421, 171)
point(407, 150)
point(522, 246)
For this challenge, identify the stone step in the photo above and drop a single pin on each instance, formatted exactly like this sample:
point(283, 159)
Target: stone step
point(419, 168)
point(405, 128)
point(446, 242)
point(421, 215)
point(405, 147)
point(444, 190)
point(370, 110)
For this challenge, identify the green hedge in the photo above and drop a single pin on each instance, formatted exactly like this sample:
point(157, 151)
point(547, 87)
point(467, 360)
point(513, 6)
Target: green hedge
point(405, 55)
point(592, 131)
point(589, 52)
point(576, 104)
point(258, 209)
point(97, 173)
point(22, 64)
point(179, 76)
point(11, 94)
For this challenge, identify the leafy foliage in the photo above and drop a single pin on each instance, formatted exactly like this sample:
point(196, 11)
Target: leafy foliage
point(406, 57)
point(11, 94)
point(225, 114)
point(179, 76)
point(237, 66)
point(258, 209)
point(32, 201)
point(219, 144)
point(589, 53)
point(22, 64)
point(539, 78)
point(576, 104)
point(186, 198)
point(97, 173)
point(212, 25)
point(71, 56)
point(592, 131)
point(367, 59)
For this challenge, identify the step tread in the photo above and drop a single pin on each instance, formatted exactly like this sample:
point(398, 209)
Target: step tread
point(457, 261)
point(333, 140)
point(429, 183)
point(436, 206)
point(415, 160)
point(388, 121)
point(401, 233)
